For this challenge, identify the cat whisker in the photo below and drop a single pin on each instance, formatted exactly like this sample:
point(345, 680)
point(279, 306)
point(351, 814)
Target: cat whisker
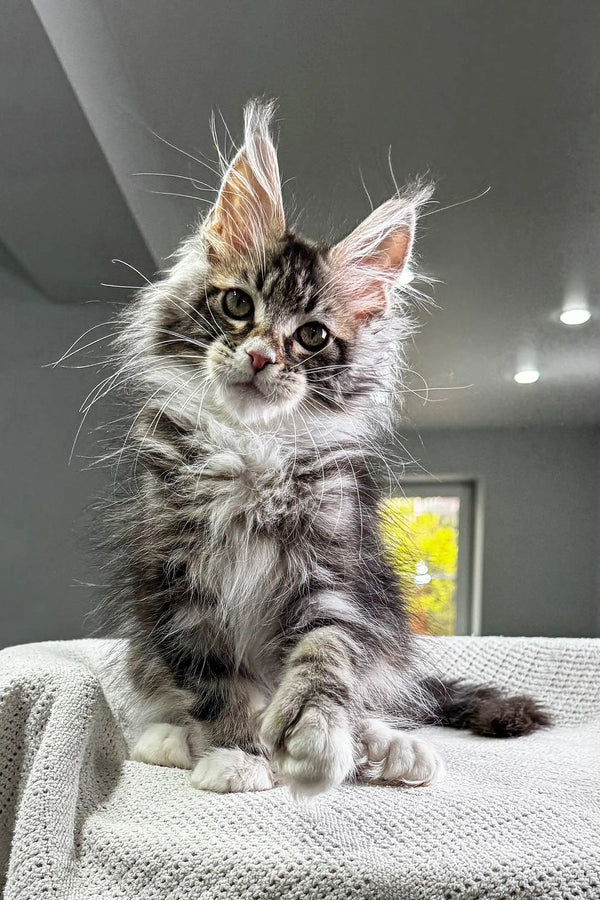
point(74, 349)
point(176, 194)
point(194, 181)
point(133, 269)
point(201, 162)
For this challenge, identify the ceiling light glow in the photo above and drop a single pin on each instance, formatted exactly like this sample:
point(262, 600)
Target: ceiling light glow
point(575, 316)
point(526, 376)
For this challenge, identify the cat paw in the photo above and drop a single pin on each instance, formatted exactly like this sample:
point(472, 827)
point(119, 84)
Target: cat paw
point(311, 754)
point(395, 757)
point(228, 770)
point(162, 744)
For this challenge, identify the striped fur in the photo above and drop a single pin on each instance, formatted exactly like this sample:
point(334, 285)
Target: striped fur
point(248, 573)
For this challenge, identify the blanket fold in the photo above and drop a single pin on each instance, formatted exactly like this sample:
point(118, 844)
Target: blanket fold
point(514, 818)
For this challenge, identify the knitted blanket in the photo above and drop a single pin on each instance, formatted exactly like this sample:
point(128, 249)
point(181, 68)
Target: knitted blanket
point(514, 818)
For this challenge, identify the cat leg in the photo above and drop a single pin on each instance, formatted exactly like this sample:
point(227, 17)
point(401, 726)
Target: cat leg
point(396, 757)
point(157, 700)
point(162, 744)
point(310, 723)
point(235, 760)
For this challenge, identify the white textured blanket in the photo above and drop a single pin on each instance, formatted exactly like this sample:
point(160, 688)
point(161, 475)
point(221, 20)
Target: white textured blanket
point(517, 818)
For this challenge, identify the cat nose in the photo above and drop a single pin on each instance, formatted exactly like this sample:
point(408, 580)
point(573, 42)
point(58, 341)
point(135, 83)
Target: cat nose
point(258, 360)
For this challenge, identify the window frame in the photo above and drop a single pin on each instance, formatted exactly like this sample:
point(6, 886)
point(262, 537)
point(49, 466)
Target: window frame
point(470, 540)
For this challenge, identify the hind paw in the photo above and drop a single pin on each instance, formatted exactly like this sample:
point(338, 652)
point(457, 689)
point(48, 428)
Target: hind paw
point(162, 744)
point(397, 758)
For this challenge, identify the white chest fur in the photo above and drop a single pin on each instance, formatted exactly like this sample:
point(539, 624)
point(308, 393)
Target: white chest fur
point(240, 494)
point(244, 485)
point(254, 507)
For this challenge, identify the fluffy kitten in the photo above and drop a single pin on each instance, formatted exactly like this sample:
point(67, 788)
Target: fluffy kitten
point(268, 637)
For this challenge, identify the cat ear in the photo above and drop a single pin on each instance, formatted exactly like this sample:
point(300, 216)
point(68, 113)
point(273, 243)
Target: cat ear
point(367, 265)
point(248, 213)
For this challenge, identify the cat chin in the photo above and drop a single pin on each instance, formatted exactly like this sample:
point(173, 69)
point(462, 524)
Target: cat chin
point(248, 406)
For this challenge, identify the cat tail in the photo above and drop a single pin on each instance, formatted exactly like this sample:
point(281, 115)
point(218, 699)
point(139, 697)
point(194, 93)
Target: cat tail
point(483, 710)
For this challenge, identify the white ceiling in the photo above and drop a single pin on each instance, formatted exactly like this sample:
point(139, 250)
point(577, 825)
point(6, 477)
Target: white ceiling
point(477, 94)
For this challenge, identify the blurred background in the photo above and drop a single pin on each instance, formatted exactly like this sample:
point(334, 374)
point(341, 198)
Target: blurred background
point(498, 453)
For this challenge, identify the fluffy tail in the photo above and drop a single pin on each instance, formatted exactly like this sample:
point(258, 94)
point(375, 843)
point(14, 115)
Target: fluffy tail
point(483, 710)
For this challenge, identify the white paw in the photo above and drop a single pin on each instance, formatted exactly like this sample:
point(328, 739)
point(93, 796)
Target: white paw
point(230, 770)
point(163, 745)
point(314, 754)
point(394, 757)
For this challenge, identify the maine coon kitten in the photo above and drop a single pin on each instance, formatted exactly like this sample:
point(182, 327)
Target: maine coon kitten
point(268, 638)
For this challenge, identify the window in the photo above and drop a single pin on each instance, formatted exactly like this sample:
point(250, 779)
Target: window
point(428, 531)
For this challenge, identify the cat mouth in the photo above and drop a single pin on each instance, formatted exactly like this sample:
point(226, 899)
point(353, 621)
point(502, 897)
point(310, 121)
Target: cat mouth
point(252, 390)
point(248, 400)
point(256, 394)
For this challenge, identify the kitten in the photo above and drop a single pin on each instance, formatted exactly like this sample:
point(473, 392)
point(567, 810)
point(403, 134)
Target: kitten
point(267, 635)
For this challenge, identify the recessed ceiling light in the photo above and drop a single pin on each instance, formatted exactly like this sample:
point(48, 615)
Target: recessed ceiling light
point(577, 316)
point(407, 276)
point(526, 376)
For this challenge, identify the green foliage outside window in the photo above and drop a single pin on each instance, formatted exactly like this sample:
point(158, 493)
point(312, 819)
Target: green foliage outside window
point(421, 540)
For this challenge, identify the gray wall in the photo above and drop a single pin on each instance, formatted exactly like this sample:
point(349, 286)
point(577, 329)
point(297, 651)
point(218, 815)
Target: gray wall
point(43, 498)
point(542, 522)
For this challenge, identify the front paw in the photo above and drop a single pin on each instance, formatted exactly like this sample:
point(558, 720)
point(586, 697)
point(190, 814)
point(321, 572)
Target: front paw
point(228, 770)
point(312, 750)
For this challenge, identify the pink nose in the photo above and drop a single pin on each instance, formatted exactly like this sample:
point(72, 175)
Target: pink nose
point(258, 360)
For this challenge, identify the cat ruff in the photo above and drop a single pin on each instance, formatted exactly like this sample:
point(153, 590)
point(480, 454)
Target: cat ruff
point(514, 818)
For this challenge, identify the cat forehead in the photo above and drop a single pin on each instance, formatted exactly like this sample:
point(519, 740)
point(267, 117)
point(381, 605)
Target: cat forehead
point(292, 283)
point(292, 279)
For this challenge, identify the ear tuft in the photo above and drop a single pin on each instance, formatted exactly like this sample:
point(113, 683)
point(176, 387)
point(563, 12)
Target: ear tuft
point(248, 213)
point(369, 262)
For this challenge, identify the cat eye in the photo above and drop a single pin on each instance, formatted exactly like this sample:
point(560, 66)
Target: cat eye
point(237, 305)
point(312, 336)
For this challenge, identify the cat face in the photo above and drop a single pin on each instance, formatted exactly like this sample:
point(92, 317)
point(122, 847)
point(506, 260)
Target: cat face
point(274, 337)
point(257, 323)
point(281, 343)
